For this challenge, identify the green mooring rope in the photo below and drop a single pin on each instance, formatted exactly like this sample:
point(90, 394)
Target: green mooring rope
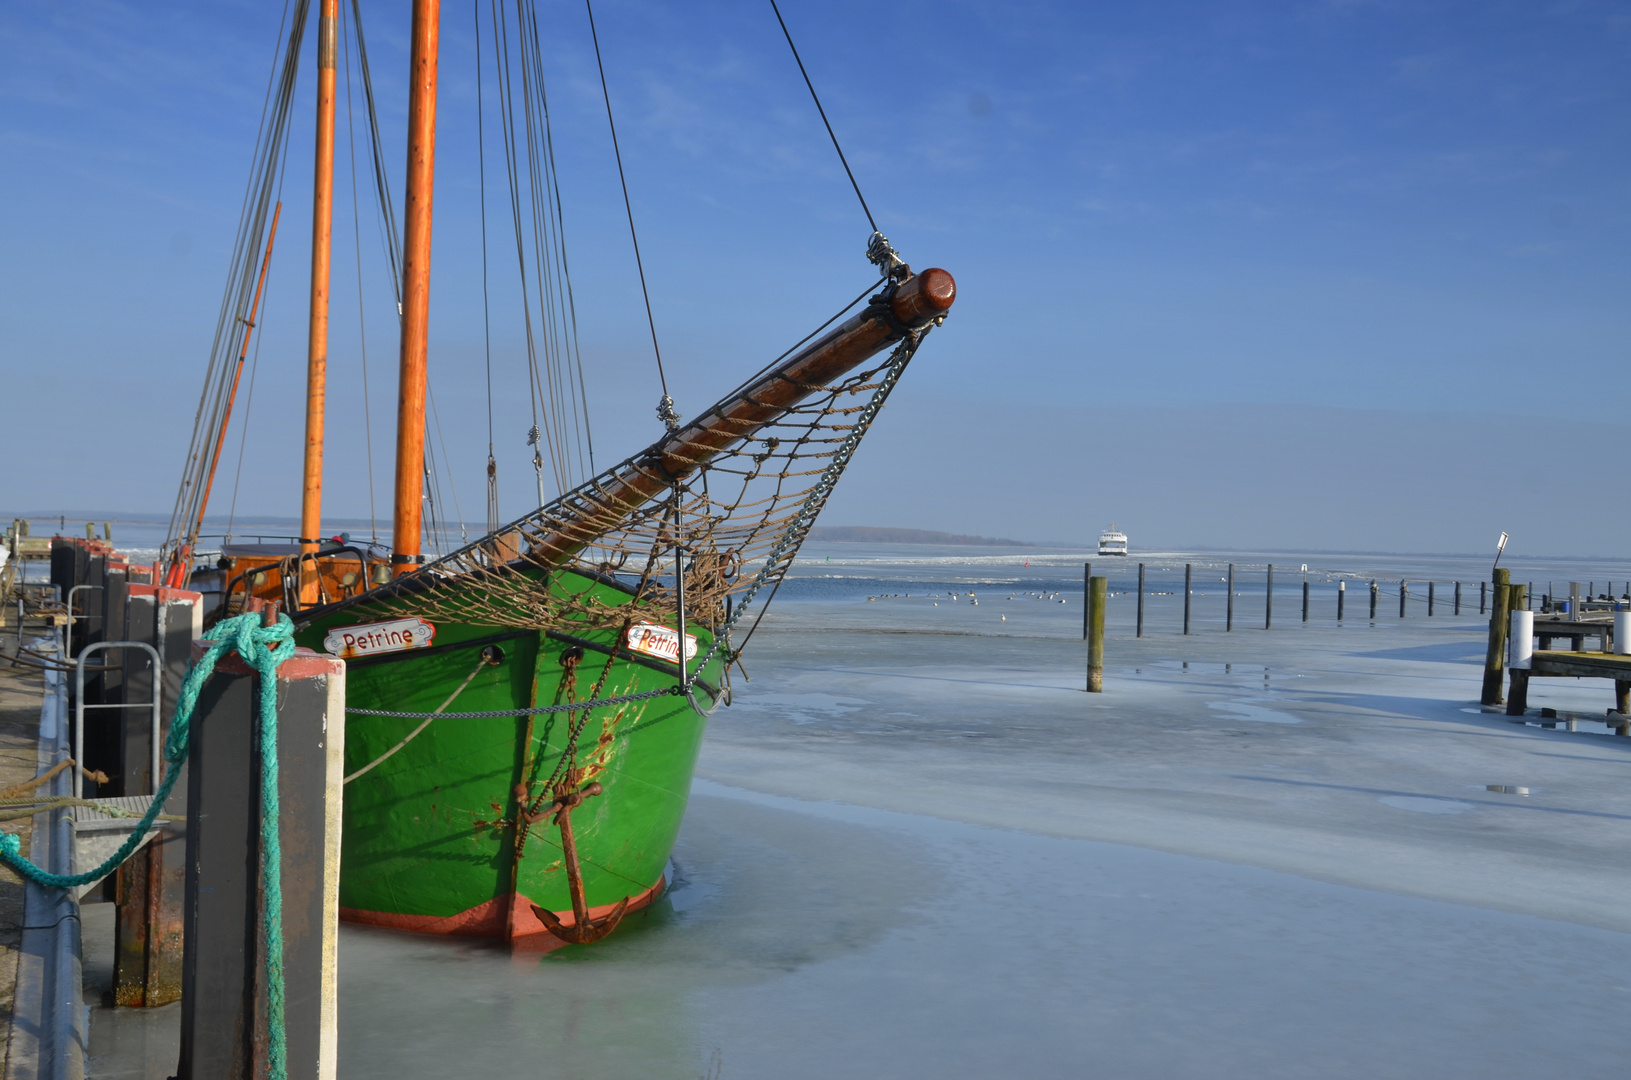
point(264, 648)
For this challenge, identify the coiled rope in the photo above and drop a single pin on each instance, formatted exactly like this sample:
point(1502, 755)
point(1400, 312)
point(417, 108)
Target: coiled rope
point(263, 648)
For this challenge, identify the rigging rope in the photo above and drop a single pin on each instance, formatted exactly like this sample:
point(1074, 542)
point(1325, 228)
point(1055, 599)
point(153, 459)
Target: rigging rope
point(562, 314)
point(362, 329)
point(385, 209)
point(237, 296)
point(254, 367)
point(817, 99)
point(665, 408)
point(556, 388)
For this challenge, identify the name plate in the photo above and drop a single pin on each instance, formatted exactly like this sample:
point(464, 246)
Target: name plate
point(370, 639)
point(661, 642)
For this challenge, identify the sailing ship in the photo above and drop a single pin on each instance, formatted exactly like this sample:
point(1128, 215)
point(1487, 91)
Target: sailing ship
point(525, 712)
point(1112, 541)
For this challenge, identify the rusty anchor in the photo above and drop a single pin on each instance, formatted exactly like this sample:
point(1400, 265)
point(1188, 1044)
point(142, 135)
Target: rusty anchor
point(583, 929)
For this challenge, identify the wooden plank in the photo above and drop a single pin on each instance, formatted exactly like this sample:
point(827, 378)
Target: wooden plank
point(1582, 665)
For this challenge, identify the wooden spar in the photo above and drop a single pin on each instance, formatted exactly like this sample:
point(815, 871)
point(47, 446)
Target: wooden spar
point(183, 556)
point(322, 225)
point(410, 409)
point(916, 303)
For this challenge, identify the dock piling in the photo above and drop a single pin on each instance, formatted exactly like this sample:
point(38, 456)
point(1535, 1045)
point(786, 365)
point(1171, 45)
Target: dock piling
point(1404, 594)
point(150, 886)
point(1431, 589)
point(1520, 645)
point(1495, 656)
point(1457, 598)
point(1268, 600)
point(1229, 615)
point(1342, 598)
point(1098, 591)
point(224, 993)
point(1187, 592)
point(1305, 599)
point(1140, 600)
point(1087, 597)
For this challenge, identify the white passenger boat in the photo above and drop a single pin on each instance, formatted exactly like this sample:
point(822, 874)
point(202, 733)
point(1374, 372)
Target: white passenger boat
point(1112, 541)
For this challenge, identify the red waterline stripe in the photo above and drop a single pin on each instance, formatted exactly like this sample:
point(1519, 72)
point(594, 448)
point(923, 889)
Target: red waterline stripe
point(494, 919)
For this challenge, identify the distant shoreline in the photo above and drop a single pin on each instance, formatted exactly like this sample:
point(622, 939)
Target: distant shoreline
point(866, 534)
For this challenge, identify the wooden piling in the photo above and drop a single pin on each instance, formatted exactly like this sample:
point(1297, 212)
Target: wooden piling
point(1188, 591)
point(223, 1004)
point(1430, 591)
point(1268, 599)
point(1342, 596)
point(1457, 598)
point(1140, 600)
point(1305, 599)
point(1087, 596)
point(1229, 616)
point(1375, 595)
point(150, 887)
point(1495, 657)
point(1483, 589)
point(1518, 700)
point(1098, 593)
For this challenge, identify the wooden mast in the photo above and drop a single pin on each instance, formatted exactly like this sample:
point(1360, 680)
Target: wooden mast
point(410, 410)
point(322, 223)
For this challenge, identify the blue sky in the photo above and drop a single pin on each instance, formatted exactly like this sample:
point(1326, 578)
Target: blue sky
point(1224, 268)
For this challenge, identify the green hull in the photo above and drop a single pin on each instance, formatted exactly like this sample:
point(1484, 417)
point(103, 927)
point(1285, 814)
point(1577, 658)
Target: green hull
point(429, 834)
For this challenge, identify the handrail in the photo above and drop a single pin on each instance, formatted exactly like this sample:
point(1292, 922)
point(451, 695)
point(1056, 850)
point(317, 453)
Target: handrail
point(68, 650)
point(300, 557)
point(80, 706)
point(291, 598)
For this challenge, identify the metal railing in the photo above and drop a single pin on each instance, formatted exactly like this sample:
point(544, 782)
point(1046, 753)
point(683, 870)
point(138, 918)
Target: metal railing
point(80, 706)
point(68, 641)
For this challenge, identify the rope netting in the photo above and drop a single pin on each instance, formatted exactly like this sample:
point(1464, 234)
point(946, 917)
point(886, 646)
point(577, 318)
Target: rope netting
point(707, 517)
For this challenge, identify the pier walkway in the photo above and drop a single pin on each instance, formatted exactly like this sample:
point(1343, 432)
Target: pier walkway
point(21, 689)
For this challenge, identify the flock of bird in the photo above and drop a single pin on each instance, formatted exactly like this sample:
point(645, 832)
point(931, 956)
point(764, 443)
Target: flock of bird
point(957, 597)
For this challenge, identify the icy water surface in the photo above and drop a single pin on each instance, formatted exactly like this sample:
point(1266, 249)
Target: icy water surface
point(917, 848)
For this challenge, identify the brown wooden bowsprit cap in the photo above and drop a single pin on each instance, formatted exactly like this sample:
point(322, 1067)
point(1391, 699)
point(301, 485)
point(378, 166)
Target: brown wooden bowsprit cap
point(924, 297)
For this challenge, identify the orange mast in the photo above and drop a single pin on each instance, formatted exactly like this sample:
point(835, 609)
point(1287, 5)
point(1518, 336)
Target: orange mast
point(410, 409)
point(179, 562)
point(322, 222)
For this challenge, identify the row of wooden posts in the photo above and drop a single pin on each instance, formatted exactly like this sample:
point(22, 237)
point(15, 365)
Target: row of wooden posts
point(1506, 596)
point(1268, 598)
point(189, 919)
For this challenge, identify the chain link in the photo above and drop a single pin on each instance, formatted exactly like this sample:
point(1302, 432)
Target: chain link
point(647, 695)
